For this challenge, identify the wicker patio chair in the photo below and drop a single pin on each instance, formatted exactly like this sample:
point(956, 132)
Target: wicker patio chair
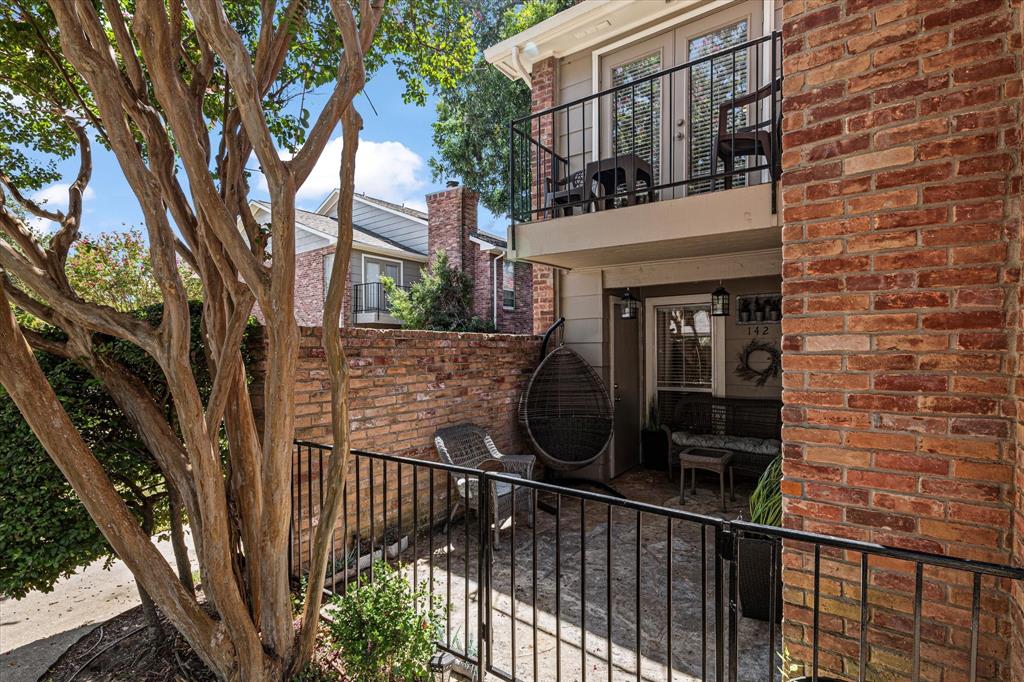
point(468, 445)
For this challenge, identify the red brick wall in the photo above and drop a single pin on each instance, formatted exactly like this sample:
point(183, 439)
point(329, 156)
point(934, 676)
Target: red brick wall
point(900, 200)
point(1017, 605)
point(520, 319)
point(310, 289)
point(404, 386)
point(543, 84)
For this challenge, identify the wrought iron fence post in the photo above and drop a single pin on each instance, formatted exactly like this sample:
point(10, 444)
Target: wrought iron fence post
point(484, 575)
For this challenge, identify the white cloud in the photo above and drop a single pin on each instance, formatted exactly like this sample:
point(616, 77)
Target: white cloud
point(386, 170)
point(54, 198)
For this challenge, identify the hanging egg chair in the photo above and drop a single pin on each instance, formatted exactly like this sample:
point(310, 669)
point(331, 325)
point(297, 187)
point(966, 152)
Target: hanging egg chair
point(565, 409)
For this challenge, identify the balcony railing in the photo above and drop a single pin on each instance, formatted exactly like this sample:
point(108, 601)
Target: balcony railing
point(371, 297)
point(712, 123)
point(602, 588)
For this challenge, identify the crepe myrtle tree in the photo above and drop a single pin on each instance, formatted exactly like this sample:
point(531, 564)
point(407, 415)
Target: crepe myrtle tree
point(182, 93)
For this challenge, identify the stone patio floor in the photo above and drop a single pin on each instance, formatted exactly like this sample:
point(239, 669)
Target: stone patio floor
point(578, 565)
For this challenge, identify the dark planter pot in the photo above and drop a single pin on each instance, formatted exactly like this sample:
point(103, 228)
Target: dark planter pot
point(654, 449)
point(754, 578)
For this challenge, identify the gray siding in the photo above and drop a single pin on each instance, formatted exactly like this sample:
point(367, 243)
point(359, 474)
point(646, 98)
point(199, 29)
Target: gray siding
point(307, 241)
point(406, 231)
point(410, 268)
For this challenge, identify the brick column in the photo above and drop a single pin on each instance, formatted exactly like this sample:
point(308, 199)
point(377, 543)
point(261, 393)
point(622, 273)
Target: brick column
point(1017, 605)
point(901, 254)
point(543, 88)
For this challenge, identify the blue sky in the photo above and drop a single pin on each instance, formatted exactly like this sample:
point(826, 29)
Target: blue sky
point(395, 145)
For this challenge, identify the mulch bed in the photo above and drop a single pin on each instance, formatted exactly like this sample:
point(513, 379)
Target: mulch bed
point(120, 649)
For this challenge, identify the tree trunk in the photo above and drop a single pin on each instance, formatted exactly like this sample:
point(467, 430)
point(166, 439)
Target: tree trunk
point(153, 627)
point(25, 382)
point(181, 560)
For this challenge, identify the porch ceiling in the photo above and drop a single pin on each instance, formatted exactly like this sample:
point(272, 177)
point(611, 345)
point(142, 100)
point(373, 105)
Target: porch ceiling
point(706, 225)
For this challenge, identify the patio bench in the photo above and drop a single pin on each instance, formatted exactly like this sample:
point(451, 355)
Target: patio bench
point(751, 429)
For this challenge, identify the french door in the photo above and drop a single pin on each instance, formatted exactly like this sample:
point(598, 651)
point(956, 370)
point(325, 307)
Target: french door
point(670, 122)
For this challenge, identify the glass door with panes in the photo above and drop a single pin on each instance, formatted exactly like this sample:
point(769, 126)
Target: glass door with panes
point(373, 270)
point(716, 76)
point(633, 127)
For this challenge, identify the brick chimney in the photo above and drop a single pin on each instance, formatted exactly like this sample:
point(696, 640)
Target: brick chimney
point(451, 219)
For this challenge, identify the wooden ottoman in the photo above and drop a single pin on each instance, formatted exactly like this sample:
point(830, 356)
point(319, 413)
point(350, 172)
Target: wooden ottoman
point(708, 459)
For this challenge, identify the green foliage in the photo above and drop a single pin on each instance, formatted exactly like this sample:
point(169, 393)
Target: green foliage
point(45, 532)
point(473, 115)
point(429, 44)
point(766, 500)
point(385, 629)
point(113, 268)
point(440, 301)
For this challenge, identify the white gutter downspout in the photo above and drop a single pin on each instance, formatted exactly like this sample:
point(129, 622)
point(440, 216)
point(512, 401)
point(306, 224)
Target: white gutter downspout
point(518, 62)
point(494, 283)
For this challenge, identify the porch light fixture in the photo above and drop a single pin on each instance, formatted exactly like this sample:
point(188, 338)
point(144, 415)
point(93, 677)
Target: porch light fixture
point(630, 306)
point(720, 302)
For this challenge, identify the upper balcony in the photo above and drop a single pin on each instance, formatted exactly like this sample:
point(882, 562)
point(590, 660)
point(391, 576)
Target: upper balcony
point(670, 163)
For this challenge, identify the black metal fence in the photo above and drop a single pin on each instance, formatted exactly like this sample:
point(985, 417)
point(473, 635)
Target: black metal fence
point(711, 123)
point(371, 297)
point(584, 586)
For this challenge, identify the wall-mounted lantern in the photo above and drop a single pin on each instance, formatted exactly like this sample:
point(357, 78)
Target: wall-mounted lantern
point(720, 302)
point(630, 306)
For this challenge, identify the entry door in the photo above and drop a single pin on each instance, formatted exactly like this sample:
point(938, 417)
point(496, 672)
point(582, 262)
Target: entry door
point(626, 381)
point(702, 88)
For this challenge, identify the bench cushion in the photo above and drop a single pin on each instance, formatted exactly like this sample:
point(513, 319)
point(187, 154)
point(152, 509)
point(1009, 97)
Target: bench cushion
point(754, 446)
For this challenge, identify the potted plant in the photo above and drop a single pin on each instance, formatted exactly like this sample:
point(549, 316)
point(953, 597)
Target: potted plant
point(744, 310)
point(774, 312)
point(758, 310)
point(654, 441)
point(754, 558)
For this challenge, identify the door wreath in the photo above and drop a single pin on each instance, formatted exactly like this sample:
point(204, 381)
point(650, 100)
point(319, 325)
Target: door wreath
point(759, 377)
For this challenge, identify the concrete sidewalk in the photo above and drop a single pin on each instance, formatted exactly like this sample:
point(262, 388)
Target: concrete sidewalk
point(36, 630)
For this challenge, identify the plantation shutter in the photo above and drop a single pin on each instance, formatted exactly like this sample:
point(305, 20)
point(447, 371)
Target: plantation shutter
point(637, 115)
point(711, 83)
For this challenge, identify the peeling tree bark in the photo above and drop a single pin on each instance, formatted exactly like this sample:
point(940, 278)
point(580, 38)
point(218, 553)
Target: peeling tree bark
point(148, 94)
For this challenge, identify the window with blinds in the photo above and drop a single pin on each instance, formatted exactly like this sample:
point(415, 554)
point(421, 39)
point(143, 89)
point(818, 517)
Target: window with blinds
point(683, 351)
point(711, 83)
point(637, 118)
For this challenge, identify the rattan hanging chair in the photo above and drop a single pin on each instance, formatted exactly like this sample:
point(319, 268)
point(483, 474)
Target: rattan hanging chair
point(565, 410)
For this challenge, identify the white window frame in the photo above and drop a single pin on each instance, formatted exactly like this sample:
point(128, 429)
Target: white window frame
point(504, 264)
point(650, 340)
point(372, 256)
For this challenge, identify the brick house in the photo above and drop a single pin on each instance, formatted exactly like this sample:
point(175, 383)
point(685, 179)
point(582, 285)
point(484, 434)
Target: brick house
point(848, 173)
point(397, 241)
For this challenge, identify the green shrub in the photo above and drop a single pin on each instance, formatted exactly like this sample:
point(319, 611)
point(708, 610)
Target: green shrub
point(440, 301)
point(45, 532)
point(766, 500)
point(385, 629)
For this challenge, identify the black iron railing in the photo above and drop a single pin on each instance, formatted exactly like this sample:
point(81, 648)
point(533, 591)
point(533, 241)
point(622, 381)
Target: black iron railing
point(709, 124)
point(606, 588)
point(371, 297)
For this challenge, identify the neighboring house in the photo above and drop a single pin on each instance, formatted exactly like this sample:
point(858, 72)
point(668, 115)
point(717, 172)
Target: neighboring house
point(397, 241)
point(892, 234)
